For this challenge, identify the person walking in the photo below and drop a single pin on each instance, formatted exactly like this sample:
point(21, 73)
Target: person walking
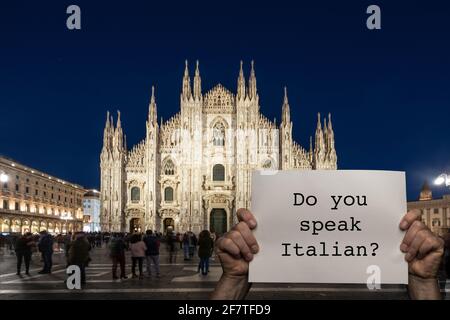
point(152, 252)
point(186, 242)
point(205, 249)
point(117, 254)
point(45, 246)
point(24, 251)
point(138, 249)
point(172, 246)
point(79, 253)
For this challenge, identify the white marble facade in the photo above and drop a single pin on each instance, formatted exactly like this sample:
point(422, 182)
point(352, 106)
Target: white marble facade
point(193, 171)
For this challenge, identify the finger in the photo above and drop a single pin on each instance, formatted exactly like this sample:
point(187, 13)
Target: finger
point(409, 218)
point(427, 246)
point(411, 233)
point(248, 236)
point(240, 242)
point(431, 243)
point(247, 217)
point(415, 245)
point(227, 245)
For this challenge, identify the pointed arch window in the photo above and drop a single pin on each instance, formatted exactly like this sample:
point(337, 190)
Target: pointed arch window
point(169, 168)
point(219, 134)
point(218, 172)
point(135, 194)
point(168, 194)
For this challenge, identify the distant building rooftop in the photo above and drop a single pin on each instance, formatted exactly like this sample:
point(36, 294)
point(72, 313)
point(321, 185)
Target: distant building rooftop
point(92, 193)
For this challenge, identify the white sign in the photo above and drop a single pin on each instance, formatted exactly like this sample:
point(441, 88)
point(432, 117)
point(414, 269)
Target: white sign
point(329, 226)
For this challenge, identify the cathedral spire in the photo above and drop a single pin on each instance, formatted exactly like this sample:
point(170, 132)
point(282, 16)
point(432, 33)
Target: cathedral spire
point(286, 112)
point(186, 93)
point(152, 112)
point(241, 83)
point(331, 147)
point(330, 126)
point(252, 82)
point(319, 143)
point(107, 132)
point(107, 120)
point(197, 83)
point(111, 123)
point(118, 139)
point(119, 123)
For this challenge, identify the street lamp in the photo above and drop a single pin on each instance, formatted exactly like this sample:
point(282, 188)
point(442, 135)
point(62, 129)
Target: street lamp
point(442, 179)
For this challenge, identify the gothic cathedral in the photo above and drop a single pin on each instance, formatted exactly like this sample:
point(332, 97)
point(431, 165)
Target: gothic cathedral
point(193, 171)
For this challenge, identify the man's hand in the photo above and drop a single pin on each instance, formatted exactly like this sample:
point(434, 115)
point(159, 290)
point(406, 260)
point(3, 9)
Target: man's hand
point(235, 250)
point(423, 252)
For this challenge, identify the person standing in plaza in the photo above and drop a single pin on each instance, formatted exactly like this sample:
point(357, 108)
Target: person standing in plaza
point(138, 249)
point(192, 244)
point(45, 246)
point(205, 249)
point(186, 242)
point(152, 252)
point(172, 246)
point(67, 241)
point(24, 251)
point(79, 253)
point(117, 254)
point(98, 240)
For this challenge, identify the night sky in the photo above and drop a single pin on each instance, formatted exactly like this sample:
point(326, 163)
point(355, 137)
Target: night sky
point(388, 90)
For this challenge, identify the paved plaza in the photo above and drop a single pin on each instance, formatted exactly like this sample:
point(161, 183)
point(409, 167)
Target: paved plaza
point(179, 280)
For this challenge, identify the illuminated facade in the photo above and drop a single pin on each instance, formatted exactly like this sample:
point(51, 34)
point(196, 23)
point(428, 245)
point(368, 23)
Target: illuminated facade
point(32, 201)
point(91, 211)
point(435, 212)
point(193, 171)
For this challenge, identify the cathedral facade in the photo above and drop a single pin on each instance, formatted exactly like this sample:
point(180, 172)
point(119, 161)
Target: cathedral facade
point(193, 171)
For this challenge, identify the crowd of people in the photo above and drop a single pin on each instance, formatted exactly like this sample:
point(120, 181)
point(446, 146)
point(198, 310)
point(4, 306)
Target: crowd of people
point(427, 254)
point(145, 247)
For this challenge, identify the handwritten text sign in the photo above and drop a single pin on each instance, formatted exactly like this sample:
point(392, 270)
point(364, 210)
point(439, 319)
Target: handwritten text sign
point(328, 226)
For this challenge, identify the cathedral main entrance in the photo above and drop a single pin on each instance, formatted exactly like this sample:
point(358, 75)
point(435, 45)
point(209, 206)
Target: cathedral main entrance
point(168, 222)
point(218, 221)
point(135, 225)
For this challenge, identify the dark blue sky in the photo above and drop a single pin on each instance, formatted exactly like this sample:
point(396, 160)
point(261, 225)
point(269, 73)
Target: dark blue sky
point(388, 90)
